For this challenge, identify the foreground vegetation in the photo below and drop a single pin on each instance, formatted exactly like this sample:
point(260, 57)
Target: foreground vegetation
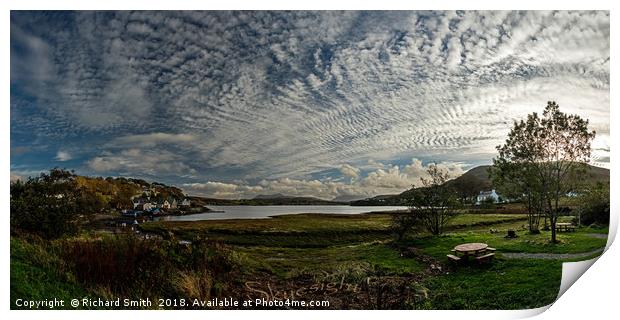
point(110, 267)
point(355, 254)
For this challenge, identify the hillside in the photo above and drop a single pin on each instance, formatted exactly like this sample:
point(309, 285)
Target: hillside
point(98, 194)
point(262, 201)
point(470, 184)
point(117, 192)
point(270, 196)
point(347, 198)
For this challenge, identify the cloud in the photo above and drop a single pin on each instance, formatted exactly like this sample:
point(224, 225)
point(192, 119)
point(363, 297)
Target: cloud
point(399, 179)
point(349, 171)
point(152, 139)
point(156, 163)
point(219, 96)
point(15, 177)
point(63, 156)
point(223, 190)
point(391, 181)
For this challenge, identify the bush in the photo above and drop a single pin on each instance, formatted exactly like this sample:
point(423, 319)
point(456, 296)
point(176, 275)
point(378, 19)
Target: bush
point(132, 267)
point(595, 206)
point(48, 206)
point(435, 202)
point(402, 223)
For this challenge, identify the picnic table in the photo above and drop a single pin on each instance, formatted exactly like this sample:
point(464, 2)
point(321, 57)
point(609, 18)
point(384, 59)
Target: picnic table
point(480, 251)
point(564, 226)
point(470, 248)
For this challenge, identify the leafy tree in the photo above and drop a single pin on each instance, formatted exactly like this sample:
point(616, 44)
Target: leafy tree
point(594, 205)
point(48, 205)
point(518, 181)
point(122, 198)
point(434, 204)
point(551, 151)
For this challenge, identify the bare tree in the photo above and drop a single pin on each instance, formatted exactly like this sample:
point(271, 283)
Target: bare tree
point(434, 204)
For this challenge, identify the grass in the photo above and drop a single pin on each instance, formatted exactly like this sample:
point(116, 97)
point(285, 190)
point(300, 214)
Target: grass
point(118, 268)
point(289, 262)
point(293, 251)
point(504, 284)
point(284, 223)
point(576, 242)
point(36, 274)
point(289, 246)
point(300, 223)
point(479, 220)
point(306, 230)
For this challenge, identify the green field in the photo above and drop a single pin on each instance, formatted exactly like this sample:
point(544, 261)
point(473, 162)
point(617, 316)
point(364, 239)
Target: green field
point(352, 261)
point(293, 250)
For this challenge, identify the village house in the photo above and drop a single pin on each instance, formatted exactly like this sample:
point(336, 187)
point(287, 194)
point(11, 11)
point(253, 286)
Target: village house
point(137, 202)
point(485, 196)
point(142, 204)
point(185, 203)
point(167, 204)
point(147, 206)
point(173, 203)
point(163, 204)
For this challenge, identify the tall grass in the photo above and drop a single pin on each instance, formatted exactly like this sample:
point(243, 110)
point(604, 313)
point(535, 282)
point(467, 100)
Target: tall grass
point(131, 267)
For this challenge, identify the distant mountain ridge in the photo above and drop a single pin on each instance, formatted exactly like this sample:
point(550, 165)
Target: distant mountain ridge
point(470, 184)
point(348, 198)
point(270, 196)
point(266, 200)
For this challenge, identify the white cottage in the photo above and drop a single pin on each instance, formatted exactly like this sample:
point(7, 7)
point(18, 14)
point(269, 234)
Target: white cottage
point(185, 203)
point(486, 195)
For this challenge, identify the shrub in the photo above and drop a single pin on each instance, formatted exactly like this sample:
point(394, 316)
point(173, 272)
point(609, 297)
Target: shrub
point(48, 205)
point(402, 223)
point(595, 206)
point(435, 203)
point(133, 267)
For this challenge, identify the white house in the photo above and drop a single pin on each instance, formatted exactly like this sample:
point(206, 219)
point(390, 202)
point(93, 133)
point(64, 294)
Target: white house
point(164, 205)
point(486, 195)
point(138, 203)
point(185, 203)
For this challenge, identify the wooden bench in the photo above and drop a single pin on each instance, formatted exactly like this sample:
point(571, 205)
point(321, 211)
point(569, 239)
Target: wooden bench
point(566, 228)
point(490, 249)
point(486, 257)
point(453, 258)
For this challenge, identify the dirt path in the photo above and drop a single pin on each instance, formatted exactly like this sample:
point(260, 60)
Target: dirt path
point(551, 256)
point(597, 235)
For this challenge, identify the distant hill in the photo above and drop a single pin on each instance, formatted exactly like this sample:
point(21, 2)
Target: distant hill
point(266, 201)
point(270, 196)
point(470, 184)
point(117, 192)
point(598, 174)
point(348, 198)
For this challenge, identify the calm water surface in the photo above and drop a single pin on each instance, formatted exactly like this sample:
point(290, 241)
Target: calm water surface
point(262, 212)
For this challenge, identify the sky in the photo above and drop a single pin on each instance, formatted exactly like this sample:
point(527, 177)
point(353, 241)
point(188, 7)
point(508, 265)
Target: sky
point(328, 104)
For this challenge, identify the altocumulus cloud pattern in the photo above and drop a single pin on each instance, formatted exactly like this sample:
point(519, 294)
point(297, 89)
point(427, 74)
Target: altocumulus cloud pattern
point(328, 104)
